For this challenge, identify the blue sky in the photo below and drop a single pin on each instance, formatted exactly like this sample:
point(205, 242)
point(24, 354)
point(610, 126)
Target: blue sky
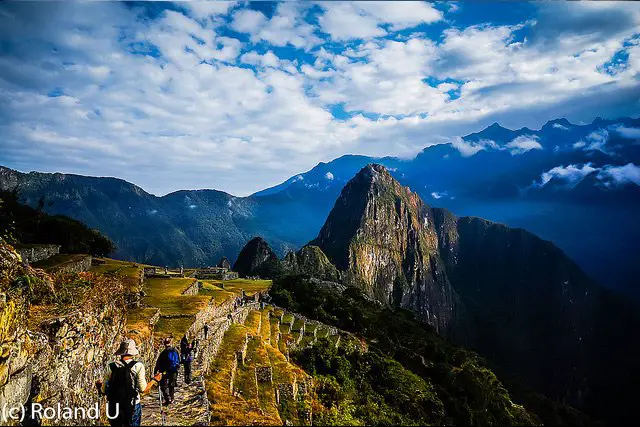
point(239, 96)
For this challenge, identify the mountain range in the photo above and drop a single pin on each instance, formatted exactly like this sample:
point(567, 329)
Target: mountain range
point(576, 185)
point(515, 298)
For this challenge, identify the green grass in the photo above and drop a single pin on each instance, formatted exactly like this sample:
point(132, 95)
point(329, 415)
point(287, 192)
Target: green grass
point(172, 327)
point(266, 325)
point(322, 332)
point(287, 318)
point(166, 294)
point(275, 329)
point(309, 328)
point(253, 322)
point(297, 325)
point(125, 268)
point(140, 315)
point(305, 341)
point(211, 288)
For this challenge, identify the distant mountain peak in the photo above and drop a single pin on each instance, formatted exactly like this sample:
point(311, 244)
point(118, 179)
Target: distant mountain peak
point(560, 123)
point(496, 125)
point(384, 237)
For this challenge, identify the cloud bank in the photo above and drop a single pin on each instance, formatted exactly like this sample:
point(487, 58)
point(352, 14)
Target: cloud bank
point(239, 96)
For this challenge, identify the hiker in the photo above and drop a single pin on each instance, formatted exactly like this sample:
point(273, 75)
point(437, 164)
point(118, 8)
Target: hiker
point(124, 381)
point(184, 343)
point(186, 358)
point(168, 363)
point(206, 331)
point(195, 348)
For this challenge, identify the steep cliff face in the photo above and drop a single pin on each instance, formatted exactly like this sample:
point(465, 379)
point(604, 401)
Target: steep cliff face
point(513, 297)
point(383, 236)
point(257, 259)
point(528, 305)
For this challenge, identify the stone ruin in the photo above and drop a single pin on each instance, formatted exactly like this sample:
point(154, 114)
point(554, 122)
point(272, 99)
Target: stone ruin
point(35, 253)
point(155, 272)
point(286, 392)
point(224, 263)
point(264, 374)
point(222, 271)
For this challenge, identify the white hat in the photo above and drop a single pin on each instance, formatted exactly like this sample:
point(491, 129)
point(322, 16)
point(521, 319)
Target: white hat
point(127, 348)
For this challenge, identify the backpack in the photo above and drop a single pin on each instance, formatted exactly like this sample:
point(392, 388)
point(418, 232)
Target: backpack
point(121, 387)
point(186, 355)
point(173, 359)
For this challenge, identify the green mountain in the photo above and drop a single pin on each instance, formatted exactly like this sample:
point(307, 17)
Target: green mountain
point(516, 299)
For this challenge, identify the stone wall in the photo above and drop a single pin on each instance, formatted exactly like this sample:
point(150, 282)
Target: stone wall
point(218, 318)
point(193, 289)
point(35, 253)
point(62, 360)
point(77, 265)
point(62, 356)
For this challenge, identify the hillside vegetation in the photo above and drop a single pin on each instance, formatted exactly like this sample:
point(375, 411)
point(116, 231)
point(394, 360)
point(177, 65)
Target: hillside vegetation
point(410, 375)
point(24, 224)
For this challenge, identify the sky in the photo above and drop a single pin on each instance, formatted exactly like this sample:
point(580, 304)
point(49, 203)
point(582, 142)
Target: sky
point(239, 96)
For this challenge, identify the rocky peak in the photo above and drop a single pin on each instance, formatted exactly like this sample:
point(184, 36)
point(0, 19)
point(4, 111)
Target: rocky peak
point(383, 237)
point(257, 259)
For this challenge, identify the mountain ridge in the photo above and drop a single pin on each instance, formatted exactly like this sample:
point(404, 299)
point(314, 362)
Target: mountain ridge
point(166, 230)
point(515, 298)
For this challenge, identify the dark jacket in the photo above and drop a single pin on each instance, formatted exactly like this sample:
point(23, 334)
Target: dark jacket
point(163, 364)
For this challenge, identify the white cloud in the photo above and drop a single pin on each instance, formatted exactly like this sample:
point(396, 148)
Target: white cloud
point(178, 92)
point(628, 132)
point(401, 15)
point(286, 27)
point(522, 144)
point(247, 20)
point(469, 148)
point(344, 21)
point(559, 126)
point(439, 195)
point(203, 9)
point(570, 175)
point(388, 81)
point(595, 141)
point(363, 20)
point(328, 176)
point(620, 175)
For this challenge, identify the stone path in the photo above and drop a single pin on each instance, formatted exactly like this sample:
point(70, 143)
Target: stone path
point(190, 406)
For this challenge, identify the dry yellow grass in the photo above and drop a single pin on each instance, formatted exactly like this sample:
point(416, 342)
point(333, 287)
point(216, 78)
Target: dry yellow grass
point(253, 322)
point(237, 285)
point(166, 294)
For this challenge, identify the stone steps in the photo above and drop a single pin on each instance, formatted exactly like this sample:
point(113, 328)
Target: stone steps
point(190, 407)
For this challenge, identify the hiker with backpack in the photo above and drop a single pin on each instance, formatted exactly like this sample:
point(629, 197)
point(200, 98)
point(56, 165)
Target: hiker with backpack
point(168, 364)
point(187, 358)
point(124, 382)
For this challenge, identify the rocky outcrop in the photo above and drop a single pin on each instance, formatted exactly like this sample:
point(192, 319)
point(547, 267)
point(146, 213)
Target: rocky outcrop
point(312, 261)
point(383, 237)
point(257, 259)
